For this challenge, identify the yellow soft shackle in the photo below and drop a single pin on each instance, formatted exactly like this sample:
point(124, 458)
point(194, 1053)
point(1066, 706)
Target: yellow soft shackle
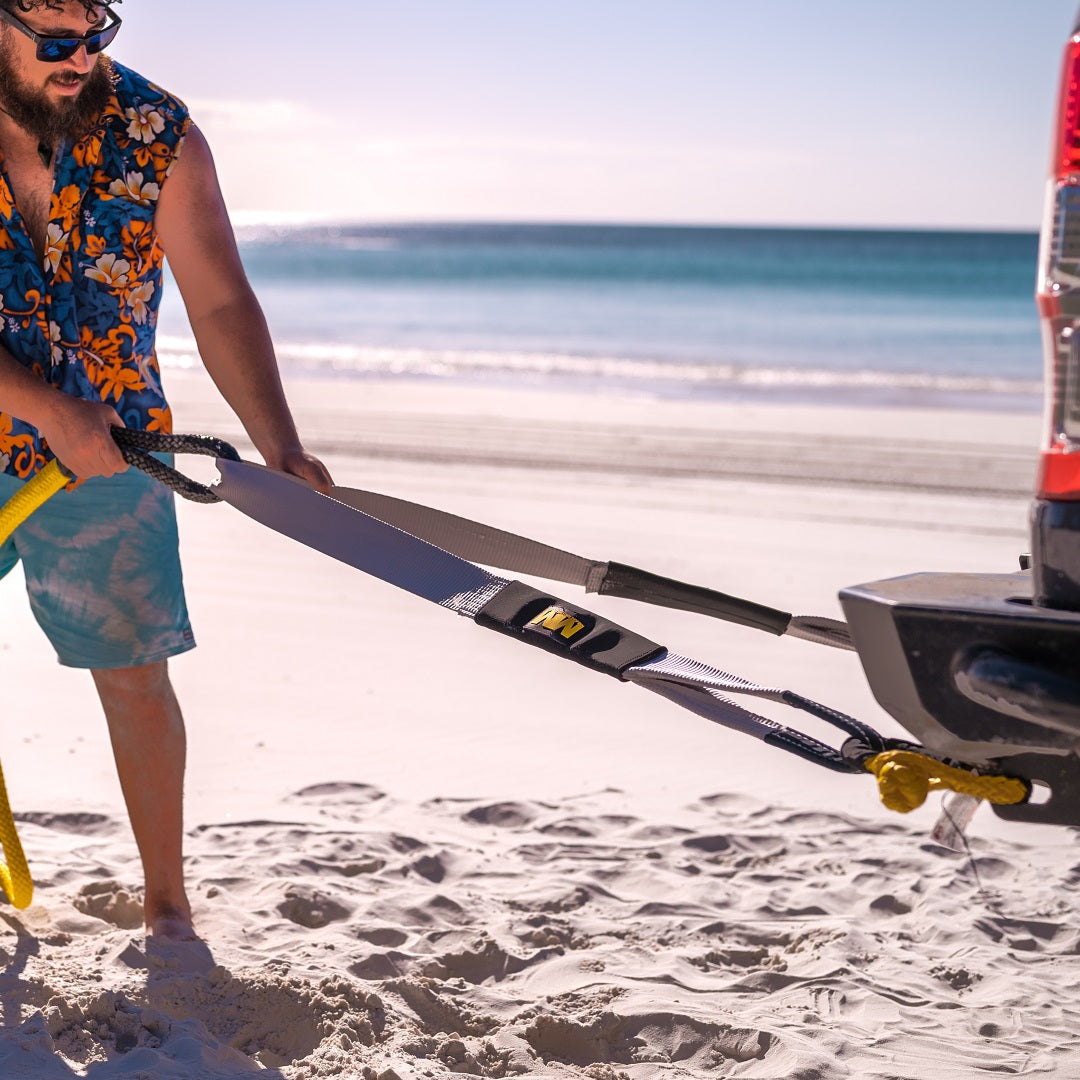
point(905, 778)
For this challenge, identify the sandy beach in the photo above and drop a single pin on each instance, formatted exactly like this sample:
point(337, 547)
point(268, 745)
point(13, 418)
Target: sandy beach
point(418, 849)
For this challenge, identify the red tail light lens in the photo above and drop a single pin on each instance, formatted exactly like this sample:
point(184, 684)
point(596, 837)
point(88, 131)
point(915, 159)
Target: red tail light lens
point(1067, 133)
point(1058, 293)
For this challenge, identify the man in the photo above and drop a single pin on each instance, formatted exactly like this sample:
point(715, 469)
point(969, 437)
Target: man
point(103, 172)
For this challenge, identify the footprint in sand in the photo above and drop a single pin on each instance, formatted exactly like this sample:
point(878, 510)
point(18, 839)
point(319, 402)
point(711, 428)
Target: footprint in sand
point(663, 1038)
point(343, 800)
point(310, 907)
point(110, 902)
point(506, 815)
point(83, 824)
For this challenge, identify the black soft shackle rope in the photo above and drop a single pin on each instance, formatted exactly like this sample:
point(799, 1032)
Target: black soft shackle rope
point(134, 445)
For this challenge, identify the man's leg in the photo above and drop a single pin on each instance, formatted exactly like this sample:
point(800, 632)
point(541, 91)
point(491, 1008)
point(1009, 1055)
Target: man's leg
point(149, 744)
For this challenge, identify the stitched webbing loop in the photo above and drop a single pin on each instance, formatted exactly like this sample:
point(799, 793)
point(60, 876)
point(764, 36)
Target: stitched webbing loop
point(905, 778)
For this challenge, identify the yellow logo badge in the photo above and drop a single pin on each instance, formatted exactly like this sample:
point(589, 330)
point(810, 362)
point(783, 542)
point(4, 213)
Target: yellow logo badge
point(554, 618)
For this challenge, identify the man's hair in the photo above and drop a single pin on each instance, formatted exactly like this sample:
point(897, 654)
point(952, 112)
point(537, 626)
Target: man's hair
point(54, 5)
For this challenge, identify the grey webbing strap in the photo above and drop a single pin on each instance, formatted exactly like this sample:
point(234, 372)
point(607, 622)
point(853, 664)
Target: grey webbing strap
point(485, 544)
point(700, 688)
point(821, 631)
point(290, 507)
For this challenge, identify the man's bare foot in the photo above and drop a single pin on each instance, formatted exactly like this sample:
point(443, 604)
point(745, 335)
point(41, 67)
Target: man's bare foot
point(173, 947)
point(169, 922)
point(171, 928)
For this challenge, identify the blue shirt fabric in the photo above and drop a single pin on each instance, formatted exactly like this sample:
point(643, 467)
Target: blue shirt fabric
point(84, 316)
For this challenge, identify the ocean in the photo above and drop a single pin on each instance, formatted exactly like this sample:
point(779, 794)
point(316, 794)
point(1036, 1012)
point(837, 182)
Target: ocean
point(824, 315)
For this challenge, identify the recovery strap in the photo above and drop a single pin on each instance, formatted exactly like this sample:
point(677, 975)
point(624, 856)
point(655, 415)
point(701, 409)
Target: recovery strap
point(289, 506)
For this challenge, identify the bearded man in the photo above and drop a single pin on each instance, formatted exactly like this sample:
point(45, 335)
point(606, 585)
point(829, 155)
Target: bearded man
point(102, 174)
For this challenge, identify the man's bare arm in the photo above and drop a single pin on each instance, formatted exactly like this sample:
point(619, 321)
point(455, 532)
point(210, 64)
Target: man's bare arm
point(226, 318)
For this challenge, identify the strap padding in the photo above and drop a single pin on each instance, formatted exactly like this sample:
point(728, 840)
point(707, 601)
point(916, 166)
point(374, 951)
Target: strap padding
point(556, 626)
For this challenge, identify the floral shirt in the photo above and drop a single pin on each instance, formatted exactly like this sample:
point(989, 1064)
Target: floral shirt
point(84, 317)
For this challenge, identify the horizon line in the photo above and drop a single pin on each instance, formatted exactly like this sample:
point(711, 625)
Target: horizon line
point(283, 219)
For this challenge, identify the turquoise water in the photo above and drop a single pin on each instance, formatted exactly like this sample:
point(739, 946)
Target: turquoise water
point(715, 313)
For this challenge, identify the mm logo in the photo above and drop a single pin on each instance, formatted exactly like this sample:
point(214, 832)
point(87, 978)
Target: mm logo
point(555, 619)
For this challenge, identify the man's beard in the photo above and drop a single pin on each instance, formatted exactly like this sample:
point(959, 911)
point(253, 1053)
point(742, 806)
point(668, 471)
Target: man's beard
point(52, 122)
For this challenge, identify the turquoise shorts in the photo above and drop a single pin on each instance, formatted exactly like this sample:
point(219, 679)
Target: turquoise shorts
point(102, 568)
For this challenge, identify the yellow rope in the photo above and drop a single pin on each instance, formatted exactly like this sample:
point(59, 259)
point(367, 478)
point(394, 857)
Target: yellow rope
point(905, 778)
point(32, 494)
point(14, 872)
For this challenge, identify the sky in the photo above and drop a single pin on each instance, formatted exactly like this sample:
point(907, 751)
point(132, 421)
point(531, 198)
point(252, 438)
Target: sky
point(925, 114)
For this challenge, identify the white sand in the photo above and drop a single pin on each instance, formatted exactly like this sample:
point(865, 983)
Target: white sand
point(417, 848)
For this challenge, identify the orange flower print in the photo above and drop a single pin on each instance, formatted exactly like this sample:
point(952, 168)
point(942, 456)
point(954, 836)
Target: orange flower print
point(94, 246)
point(138, 238)
point(87, 149)
point(10, 442)
point(145, 123)
point(25, 315)
point(112, 346)
point(114, 380)
point(135, 188)
point(160, 420)
point(106, 366)
point(163, 160)
point(109, 270)
point(64, 205)
point(7, 203)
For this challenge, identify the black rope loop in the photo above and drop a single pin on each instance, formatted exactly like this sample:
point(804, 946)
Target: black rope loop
point(848, 724)
point(811, 749)
point(135, 444)
point(858, 749)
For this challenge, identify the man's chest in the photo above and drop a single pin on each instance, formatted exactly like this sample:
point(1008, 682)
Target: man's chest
point(31, 184)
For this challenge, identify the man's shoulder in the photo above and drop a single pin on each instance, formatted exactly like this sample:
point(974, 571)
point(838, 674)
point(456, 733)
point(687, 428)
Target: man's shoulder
point(135, 91)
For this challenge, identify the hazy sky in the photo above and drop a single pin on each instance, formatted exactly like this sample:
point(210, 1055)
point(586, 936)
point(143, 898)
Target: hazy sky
point(847, 112)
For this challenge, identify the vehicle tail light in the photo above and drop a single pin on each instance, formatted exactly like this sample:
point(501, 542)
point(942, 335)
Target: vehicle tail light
point(1058, 293)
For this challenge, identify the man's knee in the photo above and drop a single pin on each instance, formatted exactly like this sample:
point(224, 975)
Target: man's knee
point(145, 683)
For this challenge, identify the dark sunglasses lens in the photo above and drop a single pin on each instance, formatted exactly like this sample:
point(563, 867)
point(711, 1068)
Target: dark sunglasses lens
point(102, 40)
point(57, 49)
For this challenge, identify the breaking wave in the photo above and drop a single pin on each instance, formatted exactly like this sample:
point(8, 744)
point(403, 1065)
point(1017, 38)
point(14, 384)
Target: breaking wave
point(614, 373)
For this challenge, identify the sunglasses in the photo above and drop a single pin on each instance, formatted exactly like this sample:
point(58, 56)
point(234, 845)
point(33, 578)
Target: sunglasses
point(52, 49)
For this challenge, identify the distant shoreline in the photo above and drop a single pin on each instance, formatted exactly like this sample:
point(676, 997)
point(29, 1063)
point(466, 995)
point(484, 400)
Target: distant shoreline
point(946, 451)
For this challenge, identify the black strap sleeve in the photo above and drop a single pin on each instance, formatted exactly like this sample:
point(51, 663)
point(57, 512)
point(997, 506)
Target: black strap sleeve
point(559, 627)
point(635, 584)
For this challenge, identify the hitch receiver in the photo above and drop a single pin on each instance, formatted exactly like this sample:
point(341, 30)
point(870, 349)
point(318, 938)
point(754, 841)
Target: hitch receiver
point(977, 672)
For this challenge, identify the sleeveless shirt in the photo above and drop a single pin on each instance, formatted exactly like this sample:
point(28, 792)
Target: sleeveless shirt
point(84, 317)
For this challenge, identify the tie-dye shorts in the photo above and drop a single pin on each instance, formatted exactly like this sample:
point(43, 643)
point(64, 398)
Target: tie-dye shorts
point(102, 568)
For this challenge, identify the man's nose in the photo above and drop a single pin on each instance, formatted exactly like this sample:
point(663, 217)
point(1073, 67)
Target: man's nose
point(80, 61)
